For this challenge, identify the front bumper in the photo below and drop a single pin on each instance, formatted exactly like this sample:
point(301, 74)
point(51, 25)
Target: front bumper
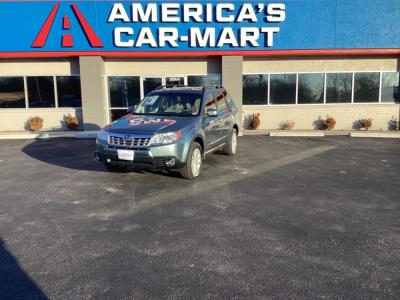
point(153, 157)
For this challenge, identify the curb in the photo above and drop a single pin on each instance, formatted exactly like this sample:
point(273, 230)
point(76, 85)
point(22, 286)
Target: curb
point(84, 135)
point(48, 135)
point(377, 135)
point(296, 134)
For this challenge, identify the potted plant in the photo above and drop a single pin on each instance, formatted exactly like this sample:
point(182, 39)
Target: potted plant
point(35, 123)
point(255, 121)
point(71, 122)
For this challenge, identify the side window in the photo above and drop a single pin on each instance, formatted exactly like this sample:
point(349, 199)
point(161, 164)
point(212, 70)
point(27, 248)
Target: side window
point(211, 104)
point(209, 101)
point(221, 102)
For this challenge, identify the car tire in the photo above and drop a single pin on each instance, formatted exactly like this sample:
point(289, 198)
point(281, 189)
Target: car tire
point(115, 168)
point(231, 146)
point(192, 168)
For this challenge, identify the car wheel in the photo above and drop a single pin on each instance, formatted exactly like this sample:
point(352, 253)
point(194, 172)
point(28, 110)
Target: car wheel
point(194, 162)
point(115, 168)
point(231, 146)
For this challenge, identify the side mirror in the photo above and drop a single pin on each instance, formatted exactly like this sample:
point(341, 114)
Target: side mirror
point(211, 112)
point(131, 109)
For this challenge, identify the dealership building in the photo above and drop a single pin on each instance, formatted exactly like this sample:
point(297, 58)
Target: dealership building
point(299, 60)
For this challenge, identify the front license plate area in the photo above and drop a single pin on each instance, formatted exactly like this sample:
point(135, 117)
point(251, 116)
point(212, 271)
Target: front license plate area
point(127, 155)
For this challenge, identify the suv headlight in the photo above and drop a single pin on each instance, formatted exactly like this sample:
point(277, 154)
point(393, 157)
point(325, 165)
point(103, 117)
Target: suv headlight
point(165, 138)
point(102, 136)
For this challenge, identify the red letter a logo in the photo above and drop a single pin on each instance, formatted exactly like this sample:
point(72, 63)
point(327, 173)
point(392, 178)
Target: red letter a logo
point(67, 41)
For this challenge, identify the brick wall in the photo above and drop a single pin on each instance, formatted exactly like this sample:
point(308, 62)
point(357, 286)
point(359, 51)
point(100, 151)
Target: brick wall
point(306, 115)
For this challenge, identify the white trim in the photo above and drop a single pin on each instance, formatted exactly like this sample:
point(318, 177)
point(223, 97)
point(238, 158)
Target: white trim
point(316, 72)
point(325, 87)
point(380, 87)
point(260, 106)
point(141, 88)
point(297, 88)
point(269, 90)
point(55, 91)
point(26, 93)
point(353, 80)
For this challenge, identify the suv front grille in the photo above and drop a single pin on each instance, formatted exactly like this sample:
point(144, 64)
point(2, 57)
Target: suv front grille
point(131, 142)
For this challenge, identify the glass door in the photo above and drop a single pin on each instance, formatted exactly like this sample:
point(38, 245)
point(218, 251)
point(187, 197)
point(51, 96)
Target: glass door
point(151, 83)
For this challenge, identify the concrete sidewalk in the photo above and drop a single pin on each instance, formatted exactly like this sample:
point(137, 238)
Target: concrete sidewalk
point(323, 133)
point(25, 135)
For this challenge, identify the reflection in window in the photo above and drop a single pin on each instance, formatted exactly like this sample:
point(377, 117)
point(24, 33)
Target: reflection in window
point(311, 88)
point(12, 92)
point(206, 80)
point(339, 87)
point(175, 81)
point(283, 89)
point(390, 87)
point(255, 89)
point(124, 91)
point(41, 91)
point(366, 87)
point(221, 102)
point(117, 113)
point(150, 84)
point(69, 91)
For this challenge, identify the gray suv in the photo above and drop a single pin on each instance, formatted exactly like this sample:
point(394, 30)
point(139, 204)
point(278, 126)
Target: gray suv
point(172, 128)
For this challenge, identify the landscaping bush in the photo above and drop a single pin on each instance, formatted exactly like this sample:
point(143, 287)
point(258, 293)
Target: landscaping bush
point(71, 122)
point(255, 121)
point(35, 123)
point(365, 123)
point(288, 125)
point(329, 123)
point(394, 124)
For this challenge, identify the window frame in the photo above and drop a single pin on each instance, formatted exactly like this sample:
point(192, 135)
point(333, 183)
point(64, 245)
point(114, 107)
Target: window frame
point(269, 104)
point(56, 91)
point(27, 107)
point(296, 88)
point(352, 88)
point(268, 89)
point(379, 87)
point(25, 93)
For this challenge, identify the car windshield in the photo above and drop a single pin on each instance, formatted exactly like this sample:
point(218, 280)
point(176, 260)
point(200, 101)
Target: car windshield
point(170, 105)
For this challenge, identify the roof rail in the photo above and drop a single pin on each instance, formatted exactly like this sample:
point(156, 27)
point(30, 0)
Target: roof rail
point(213, 87)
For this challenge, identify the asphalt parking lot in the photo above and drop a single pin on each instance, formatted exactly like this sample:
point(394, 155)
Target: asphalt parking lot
point(287, 218)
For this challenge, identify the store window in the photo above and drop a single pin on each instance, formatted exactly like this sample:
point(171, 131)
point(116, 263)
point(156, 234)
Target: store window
point(175, 81)
point(12, 92)
point(390, 87)
point(311, 88)
point(69, 91)
point(151, 83)
point(124, 93)
point(366, 87)
point(339, 87)
point(204, 80)
point(255, 89)
point(41, 91)
point(283, 89)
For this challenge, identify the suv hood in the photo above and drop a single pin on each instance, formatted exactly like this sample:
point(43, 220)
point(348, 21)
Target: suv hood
point(149, 125)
